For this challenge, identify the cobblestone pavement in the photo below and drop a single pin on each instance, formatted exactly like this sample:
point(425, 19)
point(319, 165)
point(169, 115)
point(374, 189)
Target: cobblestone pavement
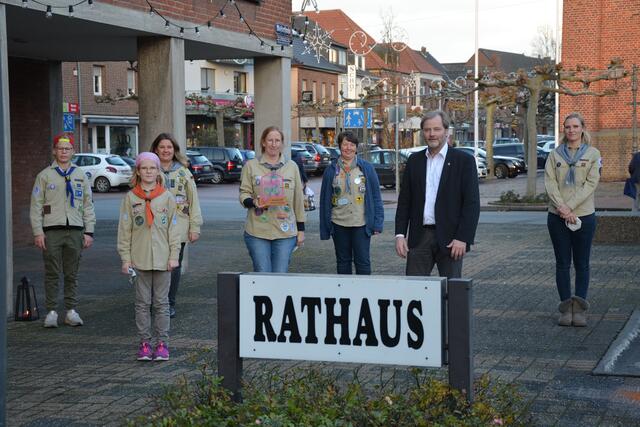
point(88, 375)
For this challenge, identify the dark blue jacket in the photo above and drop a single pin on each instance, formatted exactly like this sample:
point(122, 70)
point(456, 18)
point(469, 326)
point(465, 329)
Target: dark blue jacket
point(373, 209)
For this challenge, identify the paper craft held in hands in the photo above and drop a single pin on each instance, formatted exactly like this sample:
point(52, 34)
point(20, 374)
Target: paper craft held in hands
point(271, 190)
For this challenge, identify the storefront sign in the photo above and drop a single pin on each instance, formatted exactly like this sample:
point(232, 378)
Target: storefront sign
point(283, 34)
point(383, 320)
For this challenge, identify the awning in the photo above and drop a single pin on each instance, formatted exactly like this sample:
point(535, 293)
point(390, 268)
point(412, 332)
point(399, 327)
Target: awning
point(111, 120)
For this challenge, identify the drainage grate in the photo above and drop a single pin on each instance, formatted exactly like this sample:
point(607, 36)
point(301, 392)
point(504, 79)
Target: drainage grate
point(622, 357)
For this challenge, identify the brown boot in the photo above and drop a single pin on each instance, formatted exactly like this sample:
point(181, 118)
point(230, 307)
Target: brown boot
point(580, 307)
point(566, 317)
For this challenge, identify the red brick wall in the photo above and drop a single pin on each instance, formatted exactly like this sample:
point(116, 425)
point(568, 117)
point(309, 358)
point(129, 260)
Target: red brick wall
point(261, 17)
point(594, 32)
point(30, 137)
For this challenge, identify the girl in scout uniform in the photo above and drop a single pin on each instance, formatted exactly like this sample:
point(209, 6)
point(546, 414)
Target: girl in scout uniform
point(149, 244)
point(571, 176)
point(271, 190)
point(180, 183)
point(351, 208)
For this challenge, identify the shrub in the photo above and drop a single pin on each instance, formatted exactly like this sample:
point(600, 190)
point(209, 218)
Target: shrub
point(312, 397)
point(511, 197)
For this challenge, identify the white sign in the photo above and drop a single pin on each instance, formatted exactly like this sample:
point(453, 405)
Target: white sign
point(361, 319)
point(351, 81)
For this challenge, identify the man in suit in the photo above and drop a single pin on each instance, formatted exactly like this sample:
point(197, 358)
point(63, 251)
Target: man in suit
point(439, 204)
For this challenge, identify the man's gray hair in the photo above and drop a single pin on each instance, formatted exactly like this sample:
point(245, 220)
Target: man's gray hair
point(433, 114)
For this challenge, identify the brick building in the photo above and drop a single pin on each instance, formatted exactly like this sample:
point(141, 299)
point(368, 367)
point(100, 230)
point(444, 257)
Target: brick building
point(34, 46)
point(594, 32)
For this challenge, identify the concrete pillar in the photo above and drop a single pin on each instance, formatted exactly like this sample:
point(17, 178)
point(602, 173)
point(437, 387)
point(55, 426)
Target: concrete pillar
point(6, 236)
point(161, 89)
point(272, 79)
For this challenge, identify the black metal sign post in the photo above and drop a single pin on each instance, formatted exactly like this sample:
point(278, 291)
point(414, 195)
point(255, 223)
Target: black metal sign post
point(460, 331)
point(457, 337)
point(229, 361)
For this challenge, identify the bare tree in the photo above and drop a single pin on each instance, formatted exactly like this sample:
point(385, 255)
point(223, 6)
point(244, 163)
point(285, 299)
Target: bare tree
point(543, 44)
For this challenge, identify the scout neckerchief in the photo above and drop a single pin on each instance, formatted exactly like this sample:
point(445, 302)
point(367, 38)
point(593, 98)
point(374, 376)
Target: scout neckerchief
point(563, 151)
point(157, 191)
point(347, 172)
point(67, 178)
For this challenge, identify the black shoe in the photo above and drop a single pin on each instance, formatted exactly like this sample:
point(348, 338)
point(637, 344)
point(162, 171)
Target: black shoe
point(172, 312)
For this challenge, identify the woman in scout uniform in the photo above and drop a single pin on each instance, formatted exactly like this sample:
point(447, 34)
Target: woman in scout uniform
point(63, 220)
point(350, 207)
point(571, 176)
point(180, 183)
point(149, 244)
point(271, 190)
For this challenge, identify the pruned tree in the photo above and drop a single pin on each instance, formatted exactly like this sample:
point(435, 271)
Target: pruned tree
point(549, 78)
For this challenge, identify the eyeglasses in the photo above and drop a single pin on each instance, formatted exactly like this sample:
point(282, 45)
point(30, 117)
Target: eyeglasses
point(64, 149)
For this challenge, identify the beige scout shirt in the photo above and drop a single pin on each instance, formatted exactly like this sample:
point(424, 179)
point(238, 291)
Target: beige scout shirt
point(50, 206)
point(181, 184)
point(148, 248)
point(275, 222)
point(578, 198)
point(348, 208)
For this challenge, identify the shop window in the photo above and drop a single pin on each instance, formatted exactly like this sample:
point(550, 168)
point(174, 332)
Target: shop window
point(239, 82)
point(131, 82)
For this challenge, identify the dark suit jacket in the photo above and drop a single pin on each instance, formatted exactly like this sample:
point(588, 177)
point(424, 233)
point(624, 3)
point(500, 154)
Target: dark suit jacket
point(457, 206)
point(634, 168)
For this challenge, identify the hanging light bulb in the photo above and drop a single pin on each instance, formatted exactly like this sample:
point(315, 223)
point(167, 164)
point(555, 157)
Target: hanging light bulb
point(90, 3)
point(49, 13)
point(197, 32)
point(306, 20)
point(70, 11)
point(25, 3)
point(241, 18)
point(167, 25)
point(209, 25)
point(282, 48)
point(151, 11)
point(261, 44)
point(181, 32)
point(222, 15)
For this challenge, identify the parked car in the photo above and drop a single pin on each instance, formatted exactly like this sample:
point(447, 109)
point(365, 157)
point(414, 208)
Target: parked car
point(503, 167)
point(104, 171)
point(201, 168)
point(321, 156)
point(384, 162)
point(247, 155)
point(481, 144)
point(370, 147)
point(302, 155)
point(547, 145)
point(334, 152)
point(517, 150)
point(506, 141)
point(227, 162)
point(130, 161)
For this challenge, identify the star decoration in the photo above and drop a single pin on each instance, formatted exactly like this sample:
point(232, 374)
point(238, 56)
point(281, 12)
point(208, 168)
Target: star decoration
point(316, 42)
point(306, 3)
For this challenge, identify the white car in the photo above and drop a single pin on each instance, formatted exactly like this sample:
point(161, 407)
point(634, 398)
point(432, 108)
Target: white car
point(547, 146)
point(103, 170)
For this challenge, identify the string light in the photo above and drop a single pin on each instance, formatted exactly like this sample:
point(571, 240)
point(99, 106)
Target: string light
point(222, 15)
point(151, 11)
point(90, 3)
point(209, 24)
point(167, 25)
point(49, 13)
point(25, 3)
point(70, 11)
point(181, 32)
point(197, 32)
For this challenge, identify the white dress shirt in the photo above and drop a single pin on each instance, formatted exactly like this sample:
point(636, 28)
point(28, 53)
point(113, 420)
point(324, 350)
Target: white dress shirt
point(435, 164)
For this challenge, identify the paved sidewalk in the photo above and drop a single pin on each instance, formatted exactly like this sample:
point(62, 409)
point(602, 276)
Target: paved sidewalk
point(88, 375)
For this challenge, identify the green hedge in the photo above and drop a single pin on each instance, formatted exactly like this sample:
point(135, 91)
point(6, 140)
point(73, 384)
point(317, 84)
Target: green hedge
point(313, 397)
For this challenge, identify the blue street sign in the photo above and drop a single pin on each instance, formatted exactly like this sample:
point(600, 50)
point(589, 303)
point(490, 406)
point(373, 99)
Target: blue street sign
point(354, 118)
point(68, 122)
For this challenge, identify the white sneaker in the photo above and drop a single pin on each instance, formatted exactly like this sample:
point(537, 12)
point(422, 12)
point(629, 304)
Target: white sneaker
point(73, 318)
point(51, 321)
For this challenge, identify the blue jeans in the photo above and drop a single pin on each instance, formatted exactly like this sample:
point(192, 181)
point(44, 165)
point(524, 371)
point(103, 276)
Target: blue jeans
point(568, 244)
point(352, 246)
point(270, 256)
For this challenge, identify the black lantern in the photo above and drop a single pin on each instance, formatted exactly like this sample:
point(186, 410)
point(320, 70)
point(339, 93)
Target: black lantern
point(26, 302)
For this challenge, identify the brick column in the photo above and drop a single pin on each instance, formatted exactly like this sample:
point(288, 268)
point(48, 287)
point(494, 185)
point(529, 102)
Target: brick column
point(161, 89)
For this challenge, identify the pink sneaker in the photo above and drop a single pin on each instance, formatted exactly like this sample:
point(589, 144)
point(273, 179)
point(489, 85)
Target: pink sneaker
point(144, 353)
point(161, 352)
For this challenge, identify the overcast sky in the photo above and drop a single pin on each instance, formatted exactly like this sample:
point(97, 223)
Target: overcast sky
point(446, 27)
